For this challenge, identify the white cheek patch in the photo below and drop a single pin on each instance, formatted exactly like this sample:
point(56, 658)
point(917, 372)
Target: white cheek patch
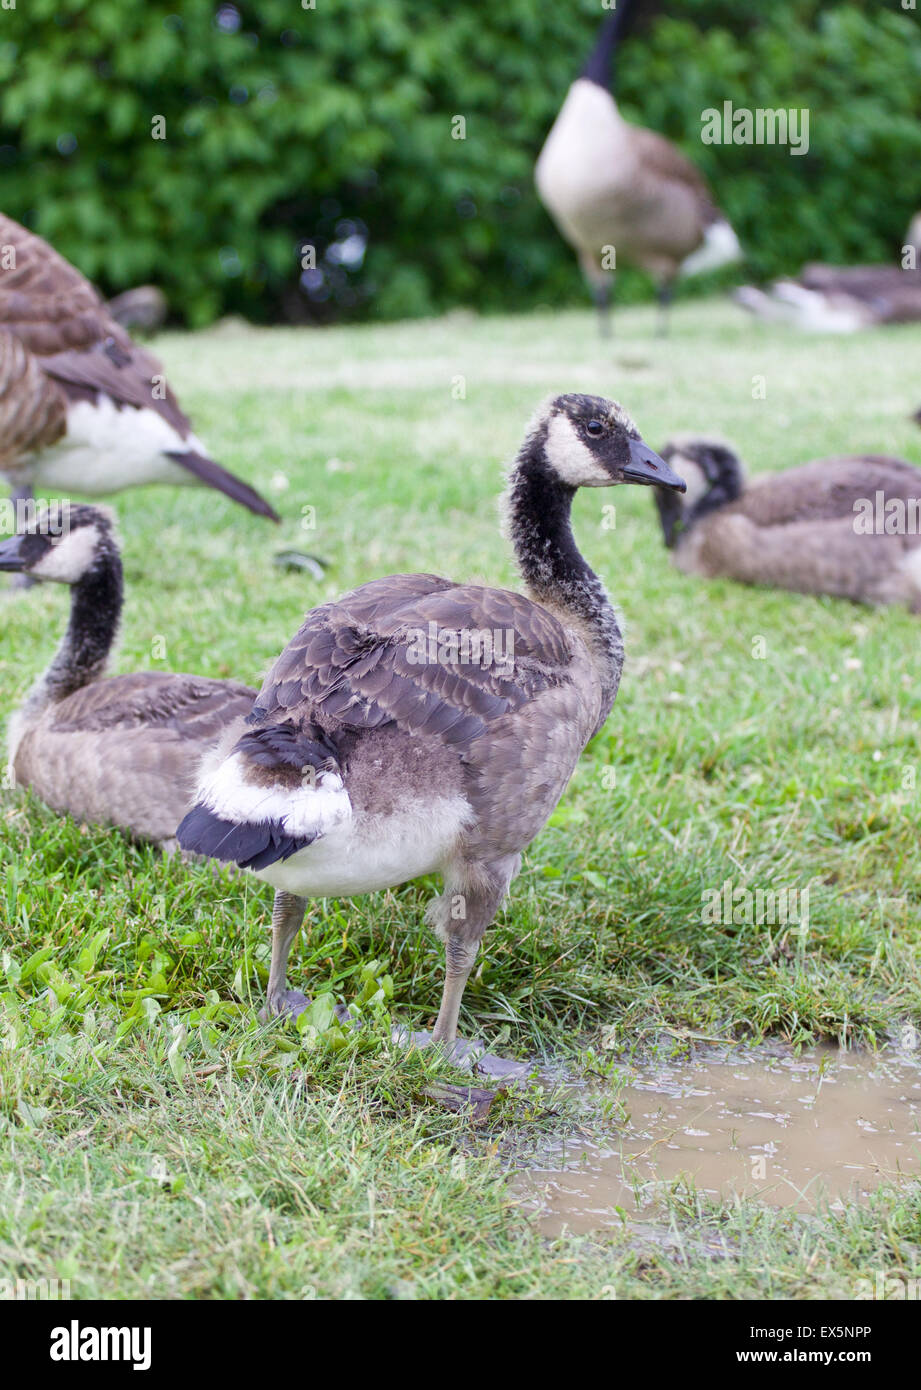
point(572, 460)
point(70, 558)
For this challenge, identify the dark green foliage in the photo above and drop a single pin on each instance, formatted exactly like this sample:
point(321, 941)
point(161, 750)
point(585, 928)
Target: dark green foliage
point(285, 125)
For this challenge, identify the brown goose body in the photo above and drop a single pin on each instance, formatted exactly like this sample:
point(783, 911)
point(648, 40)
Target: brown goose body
point(847, 526)
point(622, 194)
point(83, 408)
point(120, 750)
point(417, 725)
point(125, 751)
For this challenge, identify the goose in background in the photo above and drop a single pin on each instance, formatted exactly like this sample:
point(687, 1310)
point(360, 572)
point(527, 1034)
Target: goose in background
point(121, 750)
point(609, 184)
point(82, 407)
point(141, 310)
point(846, 526)
point(418, 725)
point(844, 299)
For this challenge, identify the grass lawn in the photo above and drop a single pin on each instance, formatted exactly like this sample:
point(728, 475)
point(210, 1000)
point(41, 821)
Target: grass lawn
point(156, 1141)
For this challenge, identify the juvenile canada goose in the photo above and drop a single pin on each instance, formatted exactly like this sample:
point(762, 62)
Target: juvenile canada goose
point(417, 725)
point(82, 407)
point(609, 184)
point(848, 526)
point(122, 750)
point(844, 299)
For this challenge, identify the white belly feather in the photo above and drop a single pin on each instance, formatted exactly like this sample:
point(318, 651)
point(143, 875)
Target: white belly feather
point(365, 854)
point(107, 448)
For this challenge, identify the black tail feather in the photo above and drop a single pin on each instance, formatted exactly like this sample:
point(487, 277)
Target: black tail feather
point(249, 846)
point(213, 475)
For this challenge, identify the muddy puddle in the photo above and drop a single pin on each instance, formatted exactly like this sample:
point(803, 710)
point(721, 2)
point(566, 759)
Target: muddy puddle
point(823, 1128)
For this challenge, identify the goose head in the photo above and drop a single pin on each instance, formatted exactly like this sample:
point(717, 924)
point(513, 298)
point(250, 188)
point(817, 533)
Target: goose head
point(587, 441)
point(61, 542)
point(714, 477)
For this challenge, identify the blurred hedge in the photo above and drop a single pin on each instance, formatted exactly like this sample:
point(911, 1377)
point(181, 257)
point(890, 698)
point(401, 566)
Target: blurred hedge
point(287, 125)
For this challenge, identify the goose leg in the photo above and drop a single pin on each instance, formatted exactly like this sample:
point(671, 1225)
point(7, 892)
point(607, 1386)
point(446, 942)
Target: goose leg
point(460, 917)
point(459, 956)
point(665, 294)
point(602, 297)
point(21, 493)
point(600, 282)
point(287, 916)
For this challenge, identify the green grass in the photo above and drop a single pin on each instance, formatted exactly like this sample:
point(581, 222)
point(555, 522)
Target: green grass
point(157, 1141)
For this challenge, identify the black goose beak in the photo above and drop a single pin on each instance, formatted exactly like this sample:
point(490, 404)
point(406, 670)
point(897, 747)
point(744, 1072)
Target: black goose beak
point(11, 554)
point(647, 467)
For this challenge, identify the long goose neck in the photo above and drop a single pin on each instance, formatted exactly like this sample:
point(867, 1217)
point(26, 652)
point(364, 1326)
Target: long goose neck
point(95, 611)
point(598, 68)
point(537, 511)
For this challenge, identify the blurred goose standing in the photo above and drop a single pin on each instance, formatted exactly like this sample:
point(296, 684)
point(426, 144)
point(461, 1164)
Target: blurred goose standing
point(609, 184)
point(82, 407)
point(418, 725)
point(847, 526)
point(844, 299)
point(122, 750)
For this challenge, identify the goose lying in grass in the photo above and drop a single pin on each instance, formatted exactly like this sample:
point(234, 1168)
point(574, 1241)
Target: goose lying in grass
point(622, 194)
point(418, 725)
point(122, 750)
point(848, 526)
point(844, 299)
point(82, 407)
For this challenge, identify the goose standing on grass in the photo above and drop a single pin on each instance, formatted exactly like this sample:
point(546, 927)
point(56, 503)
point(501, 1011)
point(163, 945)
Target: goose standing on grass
point(844, 299)
point(82, 407)
point(122, 750)
point(609, 184)
point(417, 725)
point(848, 526)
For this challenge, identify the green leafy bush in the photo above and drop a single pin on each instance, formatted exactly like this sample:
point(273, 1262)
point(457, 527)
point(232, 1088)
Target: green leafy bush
point(334, 126)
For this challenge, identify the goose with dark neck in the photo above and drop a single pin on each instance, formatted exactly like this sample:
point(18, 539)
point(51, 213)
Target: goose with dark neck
point(613, 187)
point(122, 750)
point(418, 725)
point(819, 528)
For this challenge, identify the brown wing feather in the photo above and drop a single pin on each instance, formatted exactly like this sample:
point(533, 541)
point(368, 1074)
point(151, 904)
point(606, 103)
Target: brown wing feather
point(825, 489)
point(193, 706)
point(663, 159)
point(126, 751)
point(33, 408)
point(62, 320)
point(355, 663)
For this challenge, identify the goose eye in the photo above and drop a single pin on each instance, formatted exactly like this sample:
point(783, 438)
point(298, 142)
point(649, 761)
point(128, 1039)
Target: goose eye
point(595, 427)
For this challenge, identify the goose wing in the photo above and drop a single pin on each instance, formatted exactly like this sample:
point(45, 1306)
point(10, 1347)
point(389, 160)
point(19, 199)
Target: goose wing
point(126, 751)
point(825, 489)
point(455, 663)
point(62, 320)
point(191, 707)
point(430, 656)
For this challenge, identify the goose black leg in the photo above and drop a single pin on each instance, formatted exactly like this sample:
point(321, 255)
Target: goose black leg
point(287, 916)
point(601, 293)
point(665, 295)
point(22, 493)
